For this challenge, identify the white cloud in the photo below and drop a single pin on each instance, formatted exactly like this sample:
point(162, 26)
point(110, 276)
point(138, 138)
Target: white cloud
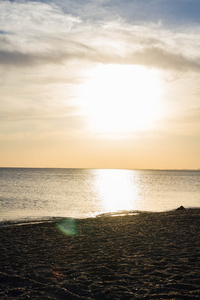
point(44, 52)
point(39, 33)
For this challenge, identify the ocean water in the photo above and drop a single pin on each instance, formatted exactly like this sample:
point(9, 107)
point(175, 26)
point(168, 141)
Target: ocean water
point(29, 194)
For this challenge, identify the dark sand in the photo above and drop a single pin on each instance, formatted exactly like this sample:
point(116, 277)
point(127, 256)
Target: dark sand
point(147, 256)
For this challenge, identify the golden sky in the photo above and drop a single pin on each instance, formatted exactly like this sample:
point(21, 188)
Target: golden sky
point(100, 84)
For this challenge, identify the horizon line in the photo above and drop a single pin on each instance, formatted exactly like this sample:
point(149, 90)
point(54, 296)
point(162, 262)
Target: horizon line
point(96, 168)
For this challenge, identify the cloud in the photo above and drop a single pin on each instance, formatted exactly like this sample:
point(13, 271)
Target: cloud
point(46, 48)
point(15, 58)
point(37, 120)
point(159, 58)
point(35, 33)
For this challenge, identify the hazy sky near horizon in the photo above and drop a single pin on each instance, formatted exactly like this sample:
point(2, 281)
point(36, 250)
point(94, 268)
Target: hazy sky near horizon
point(103, 84)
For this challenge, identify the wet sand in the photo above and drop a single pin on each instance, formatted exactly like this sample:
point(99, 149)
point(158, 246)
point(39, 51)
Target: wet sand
point(145, 256)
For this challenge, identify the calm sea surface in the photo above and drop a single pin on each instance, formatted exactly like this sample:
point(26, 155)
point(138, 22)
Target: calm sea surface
point(80, 193)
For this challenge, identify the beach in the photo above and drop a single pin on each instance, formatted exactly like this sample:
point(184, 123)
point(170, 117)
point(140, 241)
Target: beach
point(141, 256)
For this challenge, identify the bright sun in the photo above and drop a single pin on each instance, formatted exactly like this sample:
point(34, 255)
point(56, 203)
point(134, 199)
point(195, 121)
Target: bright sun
point(121, 98)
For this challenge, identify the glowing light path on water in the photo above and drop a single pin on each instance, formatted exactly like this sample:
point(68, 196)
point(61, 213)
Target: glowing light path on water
point(116, 190)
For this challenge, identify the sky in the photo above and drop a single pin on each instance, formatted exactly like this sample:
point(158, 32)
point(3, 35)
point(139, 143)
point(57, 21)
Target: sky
point(100, 84)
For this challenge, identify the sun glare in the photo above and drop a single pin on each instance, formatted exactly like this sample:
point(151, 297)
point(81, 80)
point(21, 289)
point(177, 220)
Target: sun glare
point(121, 98)
point(116, 190)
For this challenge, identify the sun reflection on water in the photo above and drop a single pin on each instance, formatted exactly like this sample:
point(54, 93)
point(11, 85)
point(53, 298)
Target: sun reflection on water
point(116, 190)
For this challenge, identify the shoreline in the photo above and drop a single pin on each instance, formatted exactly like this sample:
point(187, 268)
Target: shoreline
point(151, 255)
point(50, 219)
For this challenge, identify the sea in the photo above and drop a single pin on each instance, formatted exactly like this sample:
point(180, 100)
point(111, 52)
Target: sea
point(33, 194)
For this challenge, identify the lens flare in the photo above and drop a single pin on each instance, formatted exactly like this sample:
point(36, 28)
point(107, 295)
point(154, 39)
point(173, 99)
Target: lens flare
point(68, 226)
